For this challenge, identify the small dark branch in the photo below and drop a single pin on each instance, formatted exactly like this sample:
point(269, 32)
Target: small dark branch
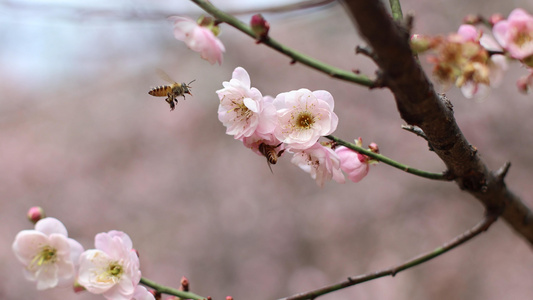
point(409, 23)
point(416, 130)
point(482, 226)
point(366, 51)
point(502, 172)
point(380, 81)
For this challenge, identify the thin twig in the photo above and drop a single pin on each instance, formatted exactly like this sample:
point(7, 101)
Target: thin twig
point(396, 9)
point(293, 54)
point(436, 176)
point(170, 291)
point(482, 226)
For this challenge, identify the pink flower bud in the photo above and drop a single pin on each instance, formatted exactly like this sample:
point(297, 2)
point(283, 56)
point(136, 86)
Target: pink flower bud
point(354, 164)
point(374, 147)
point(495, 18)
point(184, 284)
point(471, 19)
point(259, 26)
point(525, 83)
point(35, 214)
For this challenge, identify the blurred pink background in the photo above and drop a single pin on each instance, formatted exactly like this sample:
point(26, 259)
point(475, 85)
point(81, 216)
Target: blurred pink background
point(80, 136)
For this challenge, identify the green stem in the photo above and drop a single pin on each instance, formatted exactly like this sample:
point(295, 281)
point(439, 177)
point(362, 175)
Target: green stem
point(390, 162)
point(295, 55)
point(170, 291)
point(396, 9)
point(482, 226)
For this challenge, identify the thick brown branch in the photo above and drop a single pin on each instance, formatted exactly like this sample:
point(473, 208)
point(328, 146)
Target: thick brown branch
point(419, 105)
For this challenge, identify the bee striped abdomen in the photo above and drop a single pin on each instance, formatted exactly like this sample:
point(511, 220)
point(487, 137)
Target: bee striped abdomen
point(160, 91)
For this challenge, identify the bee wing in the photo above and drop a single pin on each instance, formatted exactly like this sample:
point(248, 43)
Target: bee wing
point(164, 76)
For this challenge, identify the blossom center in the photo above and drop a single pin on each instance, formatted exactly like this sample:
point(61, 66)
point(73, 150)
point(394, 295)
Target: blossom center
point(240, 110)
point(523, 37)
point(305, 120)
point(45, 256)
point(112, 274)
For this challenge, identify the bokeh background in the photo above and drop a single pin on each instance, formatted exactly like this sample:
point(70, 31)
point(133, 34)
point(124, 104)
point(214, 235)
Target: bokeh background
point(80, 136)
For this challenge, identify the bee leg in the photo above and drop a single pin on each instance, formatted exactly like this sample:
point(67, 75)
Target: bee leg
point(170, 100)
point(270, 166)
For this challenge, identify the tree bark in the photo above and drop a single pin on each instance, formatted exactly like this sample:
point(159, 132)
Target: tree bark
point(420, 105)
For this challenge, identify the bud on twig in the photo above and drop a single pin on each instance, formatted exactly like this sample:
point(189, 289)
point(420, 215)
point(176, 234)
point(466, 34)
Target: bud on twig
point(260, 27)
point(35, 213)
point(471, 19)
point(495, 18)
point(184, 284)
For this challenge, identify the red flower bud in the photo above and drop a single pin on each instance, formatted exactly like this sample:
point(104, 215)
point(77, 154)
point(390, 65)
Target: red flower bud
point(35, 214)
point(259, 26)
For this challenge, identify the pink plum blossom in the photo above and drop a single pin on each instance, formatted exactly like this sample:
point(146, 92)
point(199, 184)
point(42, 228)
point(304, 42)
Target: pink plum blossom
point(468, 33)
point(480, 74)
point(243, 110)
point(321, 162)
point(354, 164)
point(48, 255)
point(141, 293)
point(112, 269)
point(516, 34)
point(303, 117)
point(199, 38)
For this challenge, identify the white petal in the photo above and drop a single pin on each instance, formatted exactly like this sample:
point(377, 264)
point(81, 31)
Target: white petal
point(51, 225)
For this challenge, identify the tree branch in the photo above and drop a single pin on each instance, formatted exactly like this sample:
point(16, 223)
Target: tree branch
point(293, 54)
point(482, 226)
point(436, 176)
point(419, 105)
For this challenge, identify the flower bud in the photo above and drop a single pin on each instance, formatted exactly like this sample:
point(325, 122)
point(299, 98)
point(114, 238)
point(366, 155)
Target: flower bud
point(420, 43)
point(374, 147)
point(259, 26)
point(471, 19)
point(523, 84)
point(495, 18)
point(35, 214)
point(78, 288)
point(184, 284)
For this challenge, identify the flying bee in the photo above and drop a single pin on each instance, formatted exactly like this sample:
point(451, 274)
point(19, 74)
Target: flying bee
point(271, 154)
point(172, 91)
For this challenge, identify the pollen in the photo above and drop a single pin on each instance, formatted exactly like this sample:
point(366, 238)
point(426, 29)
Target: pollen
point(47, 255)
point(305, 120)
point(112, 274)
point(240, 111)
point(522, 38)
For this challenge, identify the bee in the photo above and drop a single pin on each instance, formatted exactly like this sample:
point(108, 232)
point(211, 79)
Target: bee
point(172, 91)
point(269, 151)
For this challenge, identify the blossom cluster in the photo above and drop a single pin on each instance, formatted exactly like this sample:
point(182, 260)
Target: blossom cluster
point(291, 122)
point(52, 259)
point(474, 60)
